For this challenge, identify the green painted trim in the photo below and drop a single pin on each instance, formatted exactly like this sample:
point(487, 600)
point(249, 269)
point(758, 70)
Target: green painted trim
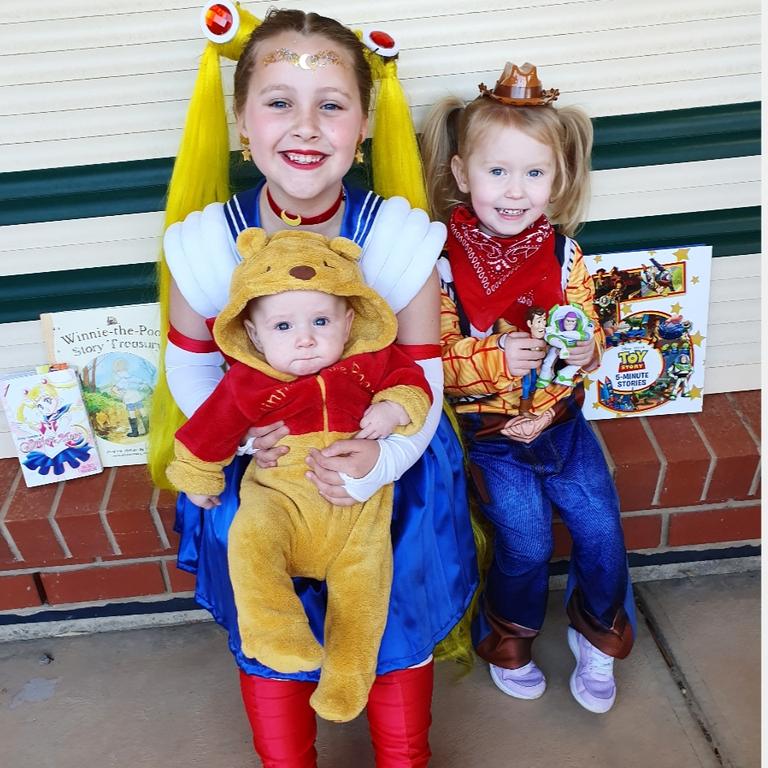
point(677, 136)
point(111, 189)
point(80, 192)
point(26, 297)
point(730, 232)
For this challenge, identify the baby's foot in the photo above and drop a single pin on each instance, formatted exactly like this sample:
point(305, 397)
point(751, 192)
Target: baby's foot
point(340, 698)
point(292, 648)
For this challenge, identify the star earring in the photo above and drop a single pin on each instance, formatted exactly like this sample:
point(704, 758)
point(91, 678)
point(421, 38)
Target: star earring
point(359, 157)
point(246, 147)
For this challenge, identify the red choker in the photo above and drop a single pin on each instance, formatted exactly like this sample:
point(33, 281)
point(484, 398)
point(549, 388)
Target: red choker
point(295, 220)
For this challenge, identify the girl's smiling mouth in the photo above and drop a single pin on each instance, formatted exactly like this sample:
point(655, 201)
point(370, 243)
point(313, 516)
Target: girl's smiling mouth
point(299, 159)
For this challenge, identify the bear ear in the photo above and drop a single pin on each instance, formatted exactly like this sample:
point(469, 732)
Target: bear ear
point(251, 241)
point(345, 247)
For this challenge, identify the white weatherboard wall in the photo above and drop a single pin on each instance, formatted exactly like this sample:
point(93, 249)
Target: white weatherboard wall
point(107, 81)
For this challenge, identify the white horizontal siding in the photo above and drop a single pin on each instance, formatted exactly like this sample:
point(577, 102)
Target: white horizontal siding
point(349, 11)
point(117, 76)
point(732, 378)
point(653, 190)
point(55, 25)
point(80, 243)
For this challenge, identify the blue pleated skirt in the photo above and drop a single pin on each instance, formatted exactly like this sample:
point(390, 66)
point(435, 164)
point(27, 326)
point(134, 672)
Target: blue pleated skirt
point(435, 568)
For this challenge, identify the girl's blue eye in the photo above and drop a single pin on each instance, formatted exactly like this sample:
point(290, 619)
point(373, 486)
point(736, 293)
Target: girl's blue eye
point(496, 171)
point(278, 103)
point(535, 173)
point(330, 106)
point(283, 326)
point(321, 321)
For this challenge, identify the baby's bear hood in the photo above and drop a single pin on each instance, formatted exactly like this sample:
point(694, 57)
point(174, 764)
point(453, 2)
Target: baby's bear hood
point(300, 261)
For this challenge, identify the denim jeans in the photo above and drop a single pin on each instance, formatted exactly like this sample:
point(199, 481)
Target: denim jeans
point(563, 468)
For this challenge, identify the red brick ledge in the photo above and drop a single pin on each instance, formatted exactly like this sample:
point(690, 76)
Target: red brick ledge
point(684, 481)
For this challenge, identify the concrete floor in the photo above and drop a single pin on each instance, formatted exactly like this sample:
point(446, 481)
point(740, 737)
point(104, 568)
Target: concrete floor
point(689, 697)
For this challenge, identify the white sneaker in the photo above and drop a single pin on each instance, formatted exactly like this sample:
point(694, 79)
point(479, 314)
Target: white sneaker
point(592, 683)
point(526, 682)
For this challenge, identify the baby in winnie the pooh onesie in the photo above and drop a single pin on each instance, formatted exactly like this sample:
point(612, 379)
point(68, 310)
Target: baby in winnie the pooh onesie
point(311, 344)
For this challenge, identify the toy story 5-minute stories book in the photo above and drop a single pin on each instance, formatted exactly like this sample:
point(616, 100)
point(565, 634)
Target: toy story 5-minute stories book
point(115, 351)
point(49, 425)
point(653, 307)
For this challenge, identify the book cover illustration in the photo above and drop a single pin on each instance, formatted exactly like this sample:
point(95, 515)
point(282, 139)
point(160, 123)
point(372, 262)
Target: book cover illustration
point(115, 350)
point(49, 425)
point(653, 307)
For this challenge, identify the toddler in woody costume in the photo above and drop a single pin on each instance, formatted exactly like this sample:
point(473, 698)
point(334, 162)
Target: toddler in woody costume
point(520, 168)
point(309, 343)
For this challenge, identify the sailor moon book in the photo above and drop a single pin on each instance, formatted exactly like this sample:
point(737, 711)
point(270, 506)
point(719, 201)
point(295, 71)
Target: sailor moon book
point(49, 425)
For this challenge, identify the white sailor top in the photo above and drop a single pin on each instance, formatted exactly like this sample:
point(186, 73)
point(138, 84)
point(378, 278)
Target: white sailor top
point(400, 246)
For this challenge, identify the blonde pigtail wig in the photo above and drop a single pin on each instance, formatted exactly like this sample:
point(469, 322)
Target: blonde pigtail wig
point(200, 176)
point(397, 168)
point(457, 645)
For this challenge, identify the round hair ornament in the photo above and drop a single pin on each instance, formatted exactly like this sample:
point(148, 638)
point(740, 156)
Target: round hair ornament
point(380, 42)
point(219, 20)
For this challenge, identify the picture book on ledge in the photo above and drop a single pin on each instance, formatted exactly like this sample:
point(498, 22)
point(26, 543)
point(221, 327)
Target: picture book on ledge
point(49, 425)
point(653, 307)
point(115, 351)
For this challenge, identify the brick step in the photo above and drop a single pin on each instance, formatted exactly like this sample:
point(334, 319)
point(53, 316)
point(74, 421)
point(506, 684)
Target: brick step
point(683, 480)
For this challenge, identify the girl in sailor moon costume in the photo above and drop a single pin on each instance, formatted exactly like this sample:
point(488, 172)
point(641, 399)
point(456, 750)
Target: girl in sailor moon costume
point(514, 160)
point(301, 97)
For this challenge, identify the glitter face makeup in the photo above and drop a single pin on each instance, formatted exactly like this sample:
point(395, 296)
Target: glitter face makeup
point(303, 60)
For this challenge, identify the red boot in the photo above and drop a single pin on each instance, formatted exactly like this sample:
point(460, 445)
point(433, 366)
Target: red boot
point(399, 715)
point(283, 723)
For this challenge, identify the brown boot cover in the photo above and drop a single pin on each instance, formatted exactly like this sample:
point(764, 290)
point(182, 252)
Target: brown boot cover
point(615, 641)
point(507, 645)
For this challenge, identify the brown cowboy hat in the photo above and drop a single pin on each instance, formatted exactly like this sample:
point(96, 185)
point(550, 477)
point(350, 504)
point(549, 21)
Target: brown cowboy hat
point(520, 87)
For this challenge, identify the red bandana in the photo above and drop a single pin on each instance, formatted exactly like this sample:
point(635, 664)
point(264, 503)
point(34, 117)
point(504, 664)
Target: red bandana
point(482, 266)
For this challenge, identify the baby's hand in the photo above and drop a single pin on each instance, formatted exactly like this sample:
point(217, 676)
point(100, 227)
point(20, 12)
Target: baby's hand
point(380, 420)
point(204, 501)
point(523, 353)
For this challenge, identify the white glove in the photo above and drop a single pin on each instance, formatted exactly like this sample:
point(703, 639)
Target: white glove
point(191, 376)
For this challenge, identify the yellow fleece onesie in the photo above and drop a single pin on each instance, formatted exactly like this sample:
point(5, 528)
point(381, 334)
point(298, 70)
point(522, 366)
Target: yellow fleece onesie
point(284, 528)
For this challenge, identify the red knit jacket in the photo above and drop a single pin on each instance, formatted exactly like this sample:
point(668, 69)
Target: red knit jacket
point(332, 400)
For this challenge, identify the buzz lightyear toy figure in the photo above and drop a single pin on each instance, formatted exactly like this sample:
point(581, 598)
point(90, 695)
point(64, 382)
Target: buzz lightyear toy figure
point(566, 324)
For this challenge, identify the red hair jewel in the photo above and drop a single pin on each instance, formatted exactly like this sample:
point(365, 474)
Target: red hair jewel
point(380, 42)
point(219, 20)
